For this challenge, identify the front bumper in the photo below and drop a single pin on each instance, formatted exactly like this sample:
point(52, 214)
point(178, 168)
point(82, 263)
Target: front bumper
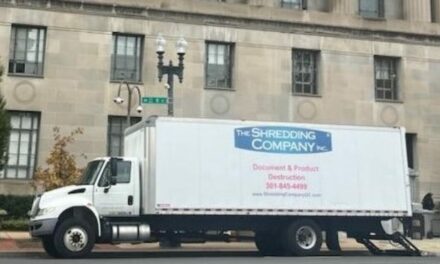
point(38, 228)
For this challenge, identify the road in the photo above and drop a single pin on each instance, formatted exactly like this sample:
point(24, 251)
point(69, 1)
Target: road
point(212, 257)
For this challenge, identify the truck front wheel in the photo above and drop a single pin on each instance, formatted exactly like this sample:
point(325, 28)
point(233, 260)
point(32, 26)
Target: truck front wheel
point(302, 238)
point(74, 238)
point(49, 246)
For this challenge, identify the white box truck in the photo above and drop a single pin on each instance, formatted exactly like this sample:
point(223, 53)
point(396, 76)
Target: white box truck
point(195, 179)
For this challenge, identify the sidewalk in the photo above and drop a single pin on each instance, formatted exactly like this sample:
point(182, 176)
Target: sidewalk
point(22, 242)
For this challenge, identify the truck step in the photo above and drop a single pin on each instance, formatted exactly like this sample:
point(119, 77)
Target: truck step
point(409, 248)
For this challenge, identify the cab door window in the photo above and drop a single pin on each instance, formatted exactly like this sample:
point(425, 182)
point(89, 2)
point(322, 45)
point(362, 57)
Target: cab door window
point(123, 175)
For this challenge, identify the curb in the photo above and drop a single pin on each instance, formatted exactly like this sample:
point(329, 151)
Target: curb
point(8, 244)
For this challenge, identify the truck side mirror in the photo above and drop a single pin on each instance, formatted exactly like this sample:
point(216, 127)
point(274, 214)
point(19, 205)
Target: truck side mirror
point(113, 180)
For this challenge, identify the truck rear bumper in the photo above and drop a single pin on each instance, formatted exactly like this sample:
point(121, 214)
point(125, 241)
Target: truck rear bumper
point(44, 227)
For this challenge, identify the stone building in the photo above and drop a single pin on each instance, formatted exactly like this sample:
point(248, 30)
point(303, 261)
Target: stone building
point(357, 62)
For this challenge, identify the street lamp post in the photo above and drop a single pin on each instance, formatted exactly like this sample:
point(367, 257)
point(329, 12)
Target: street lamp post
point(119, 100)
point(170, 70)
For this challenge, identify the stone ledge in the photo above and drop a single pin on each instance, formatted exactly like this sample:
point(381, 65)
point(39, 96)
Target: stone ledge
point(247, 17)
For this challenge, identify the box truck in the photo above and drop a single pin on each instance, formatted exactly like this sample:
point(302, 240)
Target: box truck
point(184, 179)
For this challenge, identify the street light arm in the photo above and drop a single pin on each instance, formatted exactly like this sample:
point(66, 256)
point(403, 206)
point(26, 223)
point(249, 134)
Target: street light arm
point(119, 88)
point(139, 94)
point(128, 86)
point(119, 100)
point(122, 82)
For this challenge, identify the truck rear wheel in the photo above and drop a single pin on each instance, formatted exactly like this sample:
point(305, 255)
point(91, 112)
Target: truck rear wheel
point(268, 244)
point(302, 238)
point(332, 240)
point(49, 246)
point(74, 238)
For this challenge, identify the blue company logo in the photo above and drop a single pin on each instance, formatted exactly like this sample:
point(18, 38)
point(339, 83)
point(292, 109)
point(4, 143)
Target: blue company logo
point(285, 140)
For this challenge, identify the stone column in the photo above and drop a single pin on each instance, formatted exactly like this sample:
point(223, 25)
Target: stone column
point(344, 7)
point(419, 10)
point(435, 7)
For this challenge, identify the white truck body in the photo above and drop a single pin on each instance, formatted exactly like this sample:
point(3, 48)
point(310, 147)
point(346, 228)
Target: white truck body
point(204, 166)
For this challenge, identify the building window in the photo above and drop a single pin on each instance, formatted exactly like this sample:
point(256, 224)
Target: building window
point(386, 79)
point(410, 139)
point(23, 142)
point(304, 74)
point(371, 8)
point(26, 50)
point(219, 65)
point(127, 57)
point(411, 154)
point(115, 134)
point(294, 4)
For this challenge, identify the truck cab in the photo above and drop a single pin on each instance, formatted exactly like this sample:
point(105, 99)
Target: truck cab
point(68, 219)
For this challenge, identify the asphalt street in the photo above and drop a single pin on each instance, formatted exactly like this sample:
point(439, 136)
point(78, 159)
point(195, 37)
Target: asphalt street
point(211, 257)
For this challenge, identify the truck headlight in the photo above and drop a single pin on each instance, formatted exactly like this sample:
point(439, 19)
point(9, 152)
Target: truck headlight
point(45, 211)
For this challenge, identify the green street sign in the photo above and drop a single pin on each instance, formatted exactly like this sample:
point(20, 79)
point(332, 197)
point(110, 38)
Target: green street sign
point(154, 100)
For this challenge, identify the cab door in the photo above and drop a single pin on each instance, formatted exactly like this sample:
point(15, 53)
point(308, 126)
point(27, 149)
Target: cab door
point(117, 198)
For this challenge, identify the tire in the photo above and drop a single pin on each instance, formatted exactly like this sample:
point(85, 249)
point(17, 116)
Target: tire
point(74, 238)
point(332, 240)
point(302, 238)
point(49, 246)
point(269, 243)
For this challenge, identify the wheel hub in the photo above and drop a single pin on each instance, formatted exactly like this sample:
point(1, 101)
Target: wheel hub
point(306, 237)
point(75, 239)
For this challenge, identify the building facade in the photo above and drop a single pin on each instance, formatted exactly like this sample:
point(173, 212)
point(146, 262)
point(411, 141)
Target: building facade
point(355, 62)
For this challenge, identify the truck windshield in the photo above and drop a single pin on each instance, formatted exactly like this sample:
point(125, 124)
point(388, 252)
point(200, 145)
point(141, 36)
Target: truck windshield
point(91, 172)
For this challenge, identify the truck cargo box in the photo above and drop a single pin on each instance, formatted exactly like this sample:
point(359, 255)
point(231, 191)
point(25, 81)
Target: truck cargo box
point(209, 167)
